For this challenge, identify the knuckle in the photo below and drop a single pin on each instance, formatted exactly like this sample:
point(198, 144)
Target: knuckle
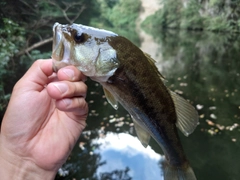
point(80, 89)
point(81, 102)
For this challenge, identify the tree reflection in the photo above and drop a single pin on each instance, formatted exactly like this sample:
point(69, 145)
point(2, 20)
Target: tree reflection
point(82, 163)
point(116, 175)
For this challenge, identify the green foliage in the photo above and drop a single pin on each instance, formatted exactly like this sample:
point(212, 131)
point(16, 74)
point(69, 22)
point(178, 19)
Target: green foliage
point(191, 18)
point(35, 54)
point(124, 14)
point(3, 99)
point(169, 16)
point(119, 16)
point(218, 23)
point(213, 15)
point(11, 39)
point(120, 13)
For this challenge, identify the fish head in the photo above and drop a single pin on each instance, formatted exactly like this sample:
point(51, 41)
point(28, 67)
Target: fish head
point(86, 48)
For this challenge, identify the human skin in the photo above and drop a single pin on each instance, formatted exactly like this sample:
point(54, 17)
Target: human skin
point(45, 116)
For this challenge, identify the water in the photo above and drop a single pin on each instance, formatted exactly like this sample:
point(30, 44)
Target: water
point(205, 69)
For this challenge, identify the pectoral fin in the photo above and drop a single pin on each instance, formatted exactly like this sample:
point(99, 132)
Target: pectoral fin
point(187, 116)
point(111, 99)
point(142, 134)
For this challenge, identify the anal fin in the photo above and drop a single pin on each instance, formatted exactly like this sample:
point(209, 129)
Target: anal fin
point(142, 134)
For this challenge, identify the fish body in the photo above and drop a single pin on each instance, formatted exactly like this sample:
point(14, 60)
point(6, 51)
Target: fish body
point(130, 77)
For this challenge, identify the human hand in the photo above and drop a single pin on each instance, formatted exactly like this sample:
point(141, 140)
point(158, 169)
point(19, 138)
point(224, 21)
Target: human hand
point(43, 121)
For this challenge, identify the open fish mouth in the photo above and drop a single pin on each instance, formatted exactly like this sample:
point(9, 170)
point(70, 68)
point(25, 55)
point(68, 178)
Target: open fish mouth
point(56, 47)
point(60, 49)
point(56, 35)
point(57, 42)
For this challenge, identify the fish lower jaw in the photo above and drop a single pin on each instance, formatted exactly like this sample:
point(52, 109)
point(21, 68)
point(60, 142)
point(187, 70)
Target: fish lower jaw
point(100, 79)
point(58, 65)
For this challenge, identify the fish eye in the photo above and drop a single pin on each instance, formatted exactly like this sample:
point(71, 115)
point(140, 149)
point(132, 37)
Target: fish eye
point(79, 37)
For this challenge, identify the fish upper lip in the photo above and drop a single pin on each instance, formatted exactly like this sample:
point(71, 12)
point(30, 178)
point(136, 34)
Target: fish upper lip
point(55, 26)
point(57, 38)
point(57, 35)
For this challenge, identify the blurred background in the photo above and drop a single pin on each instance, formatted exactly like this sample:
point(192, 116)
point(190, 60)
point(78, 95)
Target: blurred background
point(196, 45)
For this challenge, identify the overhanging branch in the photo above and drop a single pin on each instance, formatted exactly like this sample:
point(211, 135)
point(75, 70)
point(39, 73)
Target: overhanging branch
point(34, 46)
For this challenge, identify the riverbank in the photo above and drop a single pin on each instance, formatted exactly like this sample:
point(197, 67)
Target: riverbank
point(148, 7)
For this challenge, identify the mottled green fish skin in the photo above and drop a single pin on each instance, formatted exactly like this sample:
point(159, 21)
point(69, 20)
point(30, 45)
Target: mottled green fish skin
point(137, 83)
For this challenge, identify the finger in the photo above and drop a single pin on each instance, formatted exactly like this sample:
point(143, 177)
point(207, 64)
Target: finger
point(77, 105)
point(66, 89)
point(70, 73)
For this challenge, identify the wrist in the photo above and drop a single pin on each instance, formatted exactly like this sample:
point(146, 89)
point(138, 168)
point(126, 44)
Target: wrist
point(21, 168)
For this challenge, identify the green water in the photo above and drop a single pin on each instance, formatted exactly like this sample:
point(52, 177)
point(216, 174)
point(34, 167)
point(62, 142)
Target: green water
point(205, 69)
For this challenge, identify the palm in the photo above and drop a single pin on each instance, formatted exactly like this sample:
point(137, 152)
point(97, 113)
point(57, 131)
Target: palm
point(53, 142)
point(54, 139)
point(39, 130)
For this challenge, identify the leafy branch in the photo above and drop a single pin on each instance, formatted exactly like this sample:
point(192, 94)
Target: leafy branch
point(64, 9)
point(34, 46)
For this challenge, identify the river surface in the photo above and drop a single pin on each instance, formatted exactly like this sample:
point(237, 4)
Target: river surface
point(203, 68)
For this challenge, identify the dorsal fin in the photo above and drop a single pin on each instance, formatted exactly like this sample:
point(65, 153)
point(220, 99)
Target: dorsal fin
point(111, 99)
point(187, 116)
point(153, 63)
point(150, 58)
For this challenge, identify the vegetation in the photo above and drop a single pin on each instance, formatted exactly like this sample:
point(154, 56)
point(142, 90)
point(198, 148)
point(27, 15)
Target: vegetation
point(120, 17)
point(12, 38)
point(212, 15)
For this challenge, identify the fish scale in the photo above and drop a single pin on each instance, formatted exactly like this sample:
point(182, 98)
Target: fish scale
point(152, 108)
point(139, 87)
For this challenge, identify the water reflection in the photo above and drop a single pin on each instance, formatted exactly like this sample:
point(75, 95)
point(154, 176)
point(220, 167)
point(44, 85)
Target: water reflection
point(123, 150)
point(112, 156)
point(204, 67)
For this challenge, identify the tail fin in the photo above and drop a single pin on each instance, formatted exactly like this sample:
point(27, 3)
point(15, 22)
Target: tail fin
point(178, 173)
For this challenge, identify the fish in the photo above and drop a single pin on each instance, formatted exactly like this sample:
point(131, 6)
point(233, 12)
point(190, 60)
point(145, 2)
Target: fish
point(130, 77)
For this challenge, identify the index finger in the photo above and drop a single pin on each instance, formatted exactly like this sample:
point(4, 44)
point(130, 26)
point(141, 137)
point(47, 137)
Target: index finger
point(70, 73)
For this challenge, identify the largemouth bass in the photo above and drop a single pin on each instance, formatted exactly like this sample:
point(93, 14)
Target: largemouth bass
point(130, 77)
